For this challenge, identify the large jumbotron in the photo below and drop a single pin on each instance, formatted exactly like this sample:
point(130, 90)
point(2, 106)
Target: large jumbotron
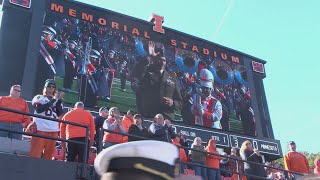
point(95, 56)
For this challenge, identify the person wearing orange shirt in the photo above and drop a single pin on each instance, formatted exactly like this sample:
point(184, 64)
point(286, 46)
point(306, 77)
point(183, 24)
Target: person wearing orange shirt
point(295, 161)
point(127, 121)
point(183, 156)
point(213, 161)
point(81, 116)
point(13, 121)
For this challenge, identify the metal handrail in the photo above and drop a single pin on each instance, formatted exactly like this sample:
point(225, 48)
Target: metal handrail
point(236, 159)
point(129, 135)
point(86, 143)
point(39, 116)
point(224, 170)
point(41, 136)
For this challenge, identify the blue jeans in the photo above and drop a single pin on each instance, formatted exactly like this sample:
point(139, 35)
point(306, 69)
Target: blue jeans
point(200, 171)
point(13, 127)
point(213, 174)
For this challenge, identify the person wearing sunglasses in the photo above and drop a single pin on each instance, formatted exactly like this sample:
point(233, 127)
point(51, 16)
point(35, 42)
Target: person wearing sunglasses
point(13, 121)
point(49, 104)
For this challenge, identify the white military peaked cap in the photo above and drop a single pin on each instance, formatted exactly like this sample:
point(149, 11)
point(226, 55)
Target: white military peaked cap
point(153, 157)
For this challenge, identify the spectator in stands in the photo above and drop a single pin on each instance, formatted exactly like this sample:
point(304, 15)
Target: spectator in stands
point(249, 154)
point(49, 104)
point(224, 165)
point(198, 157)
point(98, 121)
point(13, 121)
point(234, 165)
point(184, 143)
point(161, 129)
point(317, 164)
point(295, 161)
point(113, 123)
point(137, 128)
point(213, 161)
point(183, 156)
point(127, 121)
point(67, 131)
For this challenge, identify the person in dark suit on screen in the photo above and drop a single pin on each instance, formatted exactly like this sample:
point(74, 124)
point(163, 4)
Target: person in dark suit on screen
point(159, 89)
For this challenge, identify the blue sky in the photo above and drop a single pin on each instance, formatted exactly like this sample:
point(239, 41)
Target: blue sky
point(284, 33)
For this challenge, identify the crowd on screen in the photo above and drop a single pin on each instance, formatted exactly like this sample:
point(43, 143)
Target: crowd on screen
point(49, 104)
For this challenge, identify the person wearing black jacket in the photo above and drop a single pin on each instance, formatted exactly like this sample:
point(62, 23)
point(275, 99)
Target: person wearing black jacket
point(249, 154)
point(184, 143)
point(161, 129)
point(98, 121)
point(137, 129)
point(157, 90)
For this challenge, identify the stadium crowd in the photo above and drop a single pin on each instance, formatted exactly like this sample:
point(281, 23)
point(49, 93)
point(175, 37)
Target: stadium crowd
point(49, 104)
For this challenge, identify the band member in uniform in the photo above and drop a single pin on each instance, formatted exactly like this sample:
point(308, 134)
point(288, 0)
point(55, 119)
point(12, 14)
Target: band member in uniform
point(207, 110)
point(123, 75)
point(71, 57)
point(49, 51)
point(89, 86)
point(105, 76)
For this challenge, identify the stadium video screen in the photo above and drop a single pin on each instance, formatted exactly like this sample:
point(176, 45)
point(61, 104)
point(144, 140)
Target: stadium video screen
point(103, 66)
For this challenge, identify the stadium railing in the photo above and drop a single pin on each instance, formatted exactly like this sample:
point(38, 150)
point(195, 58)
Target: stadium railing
point(86, 143)
point(239, 171)
point(99, 147)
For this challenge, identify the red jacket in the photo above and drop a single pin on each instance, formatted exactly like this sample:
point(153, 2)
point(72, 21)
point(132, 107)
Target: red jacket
point(183, 156)
point(212, 160)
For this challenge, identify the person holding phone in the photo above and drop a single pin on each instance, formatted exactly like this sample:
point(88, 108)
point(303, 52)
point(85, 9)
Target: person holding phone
point(161, 129)
point(113, 123)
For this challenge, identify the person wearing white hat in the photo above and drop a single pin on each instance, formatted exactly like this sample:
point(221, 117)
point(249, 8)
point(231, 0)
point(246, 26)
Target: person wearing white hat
point(206, 108)
point(145, 160)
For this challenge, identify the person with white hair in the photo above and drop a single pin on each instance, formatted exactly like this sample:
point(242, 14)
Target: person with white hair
point(199, 157)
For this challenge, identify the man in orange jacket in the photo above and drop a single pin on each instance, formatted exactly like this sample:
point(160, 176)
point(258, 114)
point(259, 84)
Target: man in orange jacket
point(76, 133)
point(127, 121)
point(13, 121)
point(295, 161)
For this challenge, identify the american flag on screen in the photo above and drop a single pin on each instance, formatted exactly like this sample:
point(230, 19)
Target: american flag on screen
point(257, 67)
